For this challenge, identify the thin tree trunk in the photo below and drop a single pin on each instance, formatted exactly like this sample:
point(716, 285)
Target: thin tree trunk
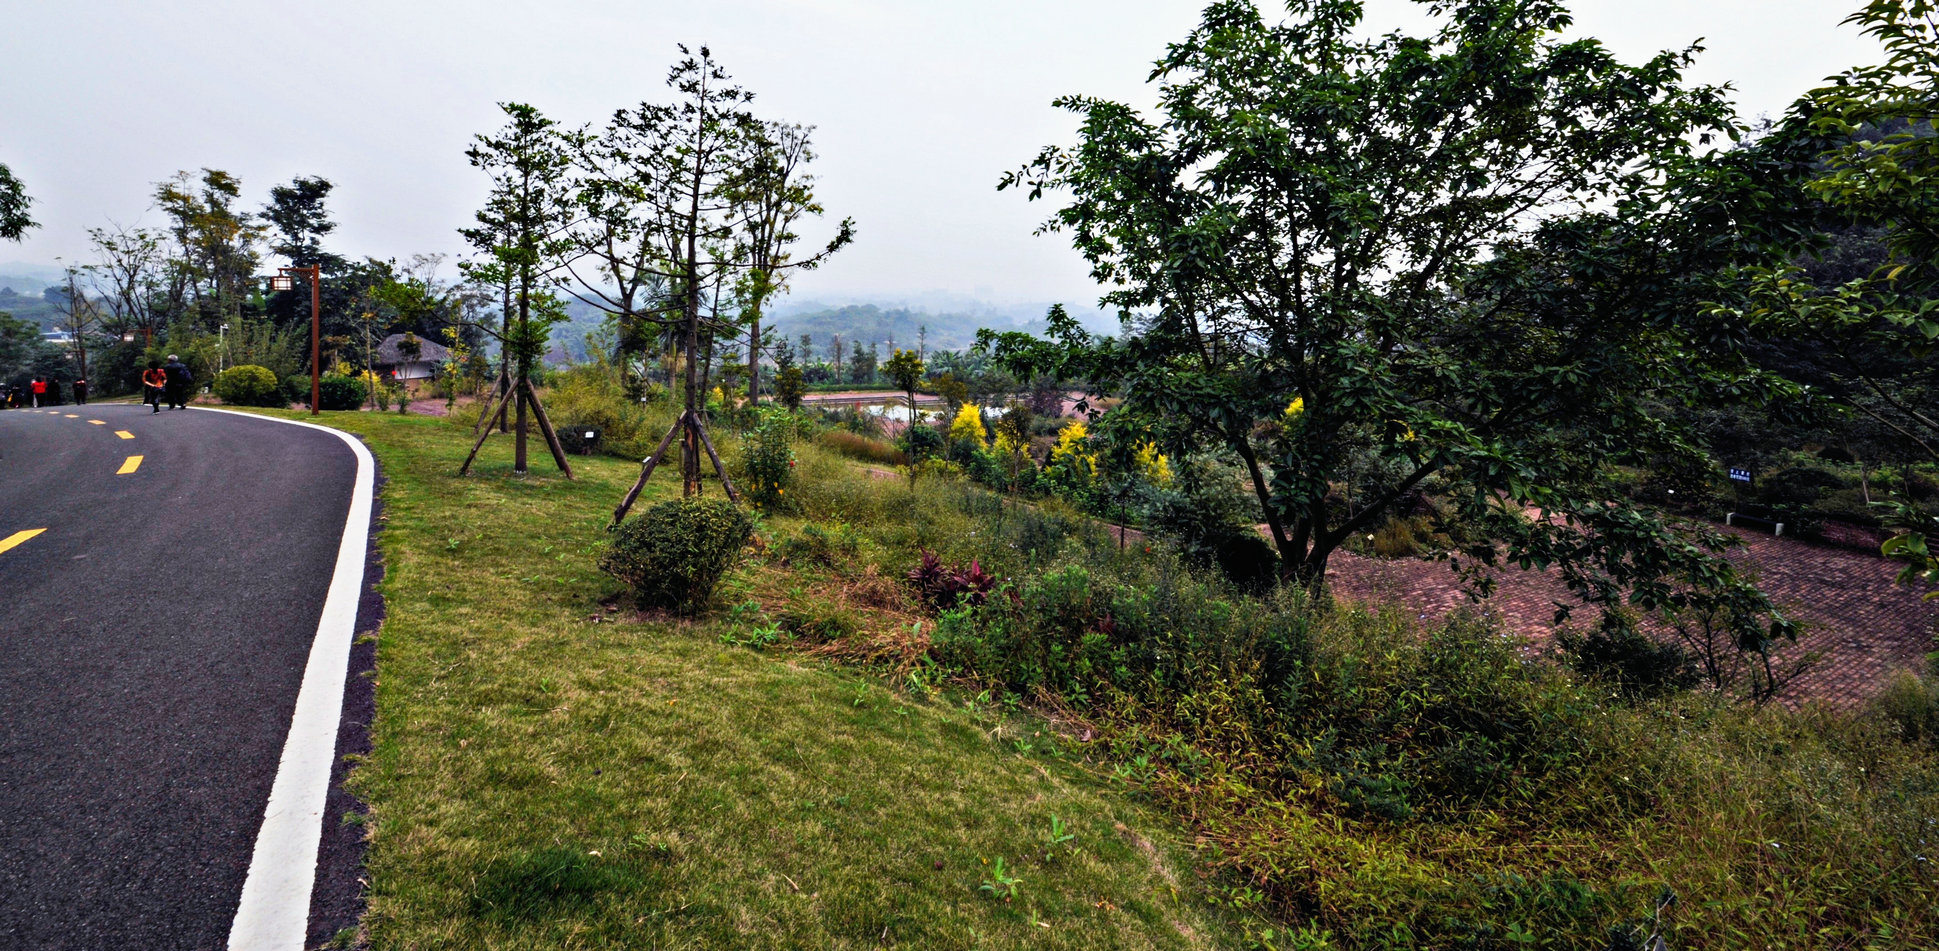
point(546, 430)
point(518, 433)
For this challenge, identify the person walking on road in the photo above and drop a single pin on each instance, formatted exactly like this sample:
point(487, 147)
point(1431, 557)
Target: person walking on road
point(153, 381)
point(179, 380)
point(80, 392)
point(39, 386)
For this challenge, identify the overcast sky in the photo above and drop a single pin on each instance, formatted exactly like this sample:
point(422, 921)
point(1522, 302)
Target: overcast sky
point(919, 104)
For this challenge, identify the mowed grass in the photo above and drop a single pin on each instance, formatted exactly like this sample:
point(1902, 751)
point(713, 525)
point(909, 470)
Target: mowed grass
point(551, 773)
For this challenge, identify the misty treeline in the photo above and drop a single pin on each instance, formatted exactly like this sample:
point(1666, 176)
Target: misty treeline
point(195, 284)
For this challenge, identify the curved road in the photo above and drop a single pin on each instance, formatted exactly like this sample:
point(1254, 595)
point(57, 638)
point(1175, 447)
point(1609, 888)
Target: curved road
point(156, 616)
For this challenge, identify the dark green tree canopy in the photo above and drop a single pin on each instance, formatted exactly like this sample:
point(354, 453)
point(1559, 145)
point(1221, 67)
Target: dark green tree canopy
point(14, 221)
point(1450, 257)
point(296, 212)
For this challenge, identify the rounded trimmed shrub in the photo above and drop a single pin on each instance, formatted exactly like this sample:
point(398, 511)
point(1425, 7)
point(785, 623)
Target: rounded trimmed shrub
point(340, 392)
point(674, 553)
point(249, 385)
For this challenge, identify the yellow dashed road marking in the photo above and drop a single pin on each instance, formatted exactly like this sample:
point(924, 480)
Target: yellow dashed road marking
point(133, 463)
point(97, 422)
point(70, 416)
point(18, 537)
point(124, 434)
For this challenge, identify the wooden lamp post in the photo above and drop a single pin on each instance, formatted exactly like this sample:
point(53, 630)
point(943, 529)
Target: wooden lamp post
point(284, 282)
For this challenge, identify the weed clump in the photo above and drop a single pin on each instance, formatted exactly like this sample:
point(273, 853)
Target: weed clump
point(674, 553)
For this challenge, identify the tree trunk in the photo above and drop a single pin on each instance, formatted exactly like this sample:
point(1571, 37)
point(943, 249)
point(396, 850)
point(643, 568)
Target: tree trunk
point(505, 348)
point(518, 433)
point(754, 358)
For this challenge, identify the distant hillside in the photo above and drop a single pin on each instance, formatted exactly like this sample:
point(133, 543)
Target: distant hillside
point(24, 302)
point(945, 329)
point(878, 321)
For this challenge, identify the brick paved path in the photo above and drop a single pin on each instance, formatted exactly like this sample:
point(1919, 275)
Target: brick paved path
point(1865, 626)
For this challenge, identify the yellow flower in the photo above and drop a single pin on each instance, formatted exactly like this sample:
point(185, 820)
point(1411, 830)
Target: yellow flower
point(1153, 465)
point(1295, 408)
point(1070, 450)
point(969, 424)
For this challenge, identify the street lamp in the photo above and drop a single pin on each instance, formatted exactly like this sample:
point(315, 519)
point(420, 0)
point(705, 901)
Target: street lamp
point(284, 282)
point(221, 347)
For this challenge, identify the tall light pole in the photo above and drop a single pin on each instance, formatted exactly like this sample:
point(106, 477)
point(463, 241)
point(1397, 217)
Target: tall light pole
point(221, 348)
point(284, 282)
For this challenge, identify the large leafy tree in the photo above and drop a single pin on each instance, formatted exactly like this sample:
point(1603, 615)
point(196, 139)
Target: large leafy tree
point(1397, 259)
point(213, 267)
point(1873, 138)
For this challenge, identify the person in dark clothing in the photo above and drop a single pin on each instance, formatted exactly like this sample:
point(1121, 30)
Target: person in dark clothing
point(80, 392)
point(180, 379)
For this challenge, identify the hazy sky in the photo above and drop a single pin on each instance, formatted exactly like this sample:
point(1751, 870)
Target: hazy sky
point(919, 104)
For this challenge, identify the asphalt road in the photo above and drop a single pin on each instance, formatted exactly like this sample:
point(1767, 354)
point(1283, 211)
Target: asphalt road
point(152, 640)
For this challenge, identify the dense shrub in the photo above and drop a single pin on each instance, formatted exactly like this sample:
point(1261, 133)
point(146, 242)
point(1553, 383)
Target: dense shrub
point(296, 388)
point(248, 385)
point(1910, 703)
point(1629, 661)
point(921, 442)
point(591, 398)
point(340, 392)
point(674, 553)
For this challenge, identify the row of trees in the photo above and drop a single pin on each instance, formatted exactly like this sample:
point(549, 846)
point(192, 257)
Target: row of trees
point(676, 219)
point(193, 285)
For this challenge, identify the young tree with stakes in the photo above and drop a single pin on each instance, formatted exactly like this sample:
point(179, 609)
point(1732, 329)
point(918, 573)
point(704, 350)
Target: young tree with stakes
point(676, 192)
point(519, 231)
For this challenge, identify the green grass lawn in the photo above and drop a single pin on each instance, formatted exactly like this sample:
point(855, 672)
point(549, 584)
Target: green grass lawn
point(552, 770)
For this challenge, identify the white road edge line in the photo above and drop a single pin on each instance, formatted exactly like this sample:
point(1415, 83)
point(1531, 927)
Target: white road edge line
point(275, 911)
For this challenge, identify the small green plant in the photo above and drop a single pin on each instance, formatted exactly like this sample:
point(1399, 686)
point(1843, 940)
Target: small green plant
point(770, 461)
point(1059, 837)
point(248, 385)
point(674, 553)
point(758, 637)
point(1000, 884)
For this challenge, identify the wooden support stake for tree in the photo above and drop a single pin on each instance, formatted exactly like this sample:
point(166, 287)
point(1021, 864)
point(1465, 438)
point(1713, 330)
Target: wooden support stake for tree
point(483, 434)
point(545, 428)
point(490, 406)
point(725, 482)
point(646, 470)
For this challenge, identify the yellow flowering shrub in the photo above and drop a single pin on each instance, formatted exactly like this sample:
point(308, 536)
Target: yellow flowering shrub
point(1153, 465)
point(1072, 451)
point(969, 425)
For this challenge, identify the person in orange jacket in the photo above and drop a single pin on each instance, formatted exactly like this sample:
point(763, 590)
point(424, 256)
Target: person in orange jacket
point(153, 381)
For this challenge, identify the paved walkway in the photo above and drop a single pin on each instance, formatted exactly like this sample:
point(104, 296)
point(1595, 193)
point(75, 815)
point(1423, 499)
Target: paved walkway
point(1866, 626)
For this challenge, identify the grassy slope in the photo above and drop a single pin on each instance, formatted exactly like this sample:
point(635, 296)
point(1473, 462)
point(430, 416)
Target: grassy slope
point(543, 780)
